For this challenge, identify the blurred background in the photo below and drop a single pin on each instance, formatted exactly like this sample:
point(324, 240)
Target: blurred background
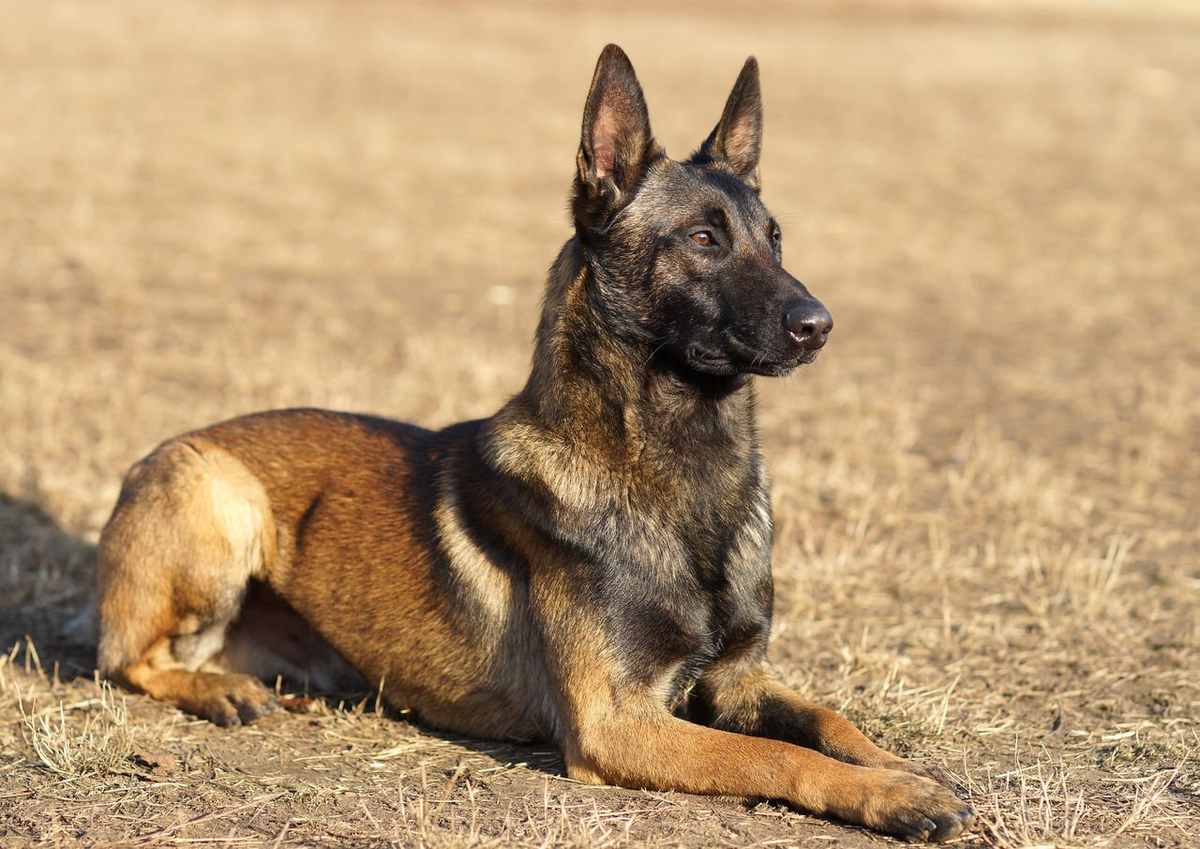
point(986, 488)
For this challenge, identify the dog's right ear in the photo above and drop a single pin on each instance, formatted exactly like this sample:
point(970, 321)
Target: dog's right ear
point(617, 144)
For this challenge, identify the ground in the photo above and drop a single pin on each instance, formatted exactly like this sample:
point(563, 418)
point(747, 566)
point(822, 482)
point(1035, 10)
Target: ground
point(985, 490)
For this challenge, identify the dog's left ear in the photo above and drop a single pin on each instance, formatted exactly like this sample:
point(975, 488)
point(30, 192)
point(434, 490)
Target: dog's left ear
point(737, 138)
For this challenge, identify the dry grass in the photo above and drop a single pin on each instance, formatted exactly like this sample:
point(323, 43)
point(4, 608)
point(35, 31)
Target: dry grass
point(986, 490)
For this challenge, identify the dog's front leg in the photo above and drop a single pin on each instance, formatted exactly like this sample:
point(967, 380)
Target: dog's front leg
point(748, 699)
point(615, 728)
point(636, 742)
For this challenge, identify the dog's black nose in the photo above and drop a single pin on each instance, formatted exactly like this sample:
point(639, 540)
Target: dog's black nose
point(808, 323)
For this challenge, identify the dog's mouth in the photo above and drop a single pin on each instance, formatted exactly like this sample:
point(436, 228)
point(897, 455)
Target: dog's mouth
point(740, 358)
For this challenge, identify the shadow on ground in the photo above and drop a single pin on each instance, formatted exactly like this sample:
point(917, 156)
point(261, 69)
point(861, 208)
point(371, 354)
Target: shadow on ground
point(45, 588)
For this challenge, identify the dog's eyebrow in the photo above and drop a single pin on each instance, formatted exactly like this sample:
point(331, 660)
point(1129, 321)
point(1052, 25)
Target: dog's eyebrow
point(716, 216)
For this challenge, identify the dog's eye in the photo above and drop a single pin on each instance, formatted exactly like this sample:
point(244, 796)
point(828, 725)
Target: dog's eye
point(704, 239)
point(776, 236)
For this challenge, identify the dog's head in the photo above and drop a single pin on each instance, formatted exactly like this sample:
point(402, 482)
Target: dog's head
point(684, 255)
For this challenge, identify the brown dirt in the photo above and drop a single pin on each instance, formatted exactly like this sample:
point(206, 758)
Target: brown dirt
point(986, 490)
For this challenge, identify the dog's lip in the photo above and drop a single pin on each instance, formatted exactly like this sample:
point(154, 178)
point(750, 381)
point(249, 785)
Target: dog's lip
point(709, 362)
point(740, 358)
point(752, 360)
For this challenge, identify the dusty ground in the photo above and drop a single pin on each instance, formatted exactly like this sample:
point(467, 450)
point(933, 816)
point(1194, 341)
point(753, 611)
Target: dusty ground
point(986, 491)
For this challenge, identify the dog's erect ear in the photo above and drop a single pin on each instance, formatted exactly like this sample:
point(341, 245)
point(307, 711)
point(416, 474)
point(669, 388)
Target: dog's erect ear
point(617, 144)
point(737, 138)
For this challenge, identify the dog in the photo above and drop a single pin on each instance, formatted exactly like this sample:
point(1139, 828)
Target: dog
point(590, 566)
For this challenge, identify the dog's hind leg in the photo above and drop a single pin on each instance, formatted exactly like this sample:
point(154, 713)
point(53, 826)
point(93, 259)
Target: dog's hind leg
point(191, 528)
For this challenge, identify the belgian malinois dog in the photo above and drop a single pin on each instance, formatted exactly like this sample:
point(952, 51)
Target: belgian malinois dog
point(590, 566)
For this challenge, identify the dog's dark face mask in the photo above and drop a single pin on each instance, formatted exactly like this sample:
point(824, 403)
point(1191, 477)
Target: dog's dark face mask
point(686, 258)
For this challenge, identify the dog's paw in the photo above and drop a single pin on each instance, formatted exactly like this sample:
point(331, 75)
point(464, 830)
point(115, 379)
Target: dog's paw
point(229, 700)
point(915, 808)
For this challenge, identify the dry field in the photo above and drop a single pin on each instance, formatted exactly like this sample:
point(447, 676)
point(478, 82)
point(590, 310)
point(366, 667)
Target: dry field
point(986, 490)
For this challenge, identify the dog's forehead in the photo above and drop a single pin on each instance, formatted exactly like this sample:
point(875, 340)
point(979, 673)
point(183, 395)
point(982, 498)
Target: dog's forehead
point(675, 194)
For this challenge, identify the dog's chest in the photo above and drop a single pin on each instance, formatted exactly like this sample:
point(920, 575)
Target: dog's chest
point(675, 596)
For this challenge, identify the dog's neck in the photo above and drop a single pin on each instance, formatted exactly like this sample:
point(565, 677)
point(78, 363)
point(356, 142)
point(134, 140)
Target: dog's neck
point(590, 378)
